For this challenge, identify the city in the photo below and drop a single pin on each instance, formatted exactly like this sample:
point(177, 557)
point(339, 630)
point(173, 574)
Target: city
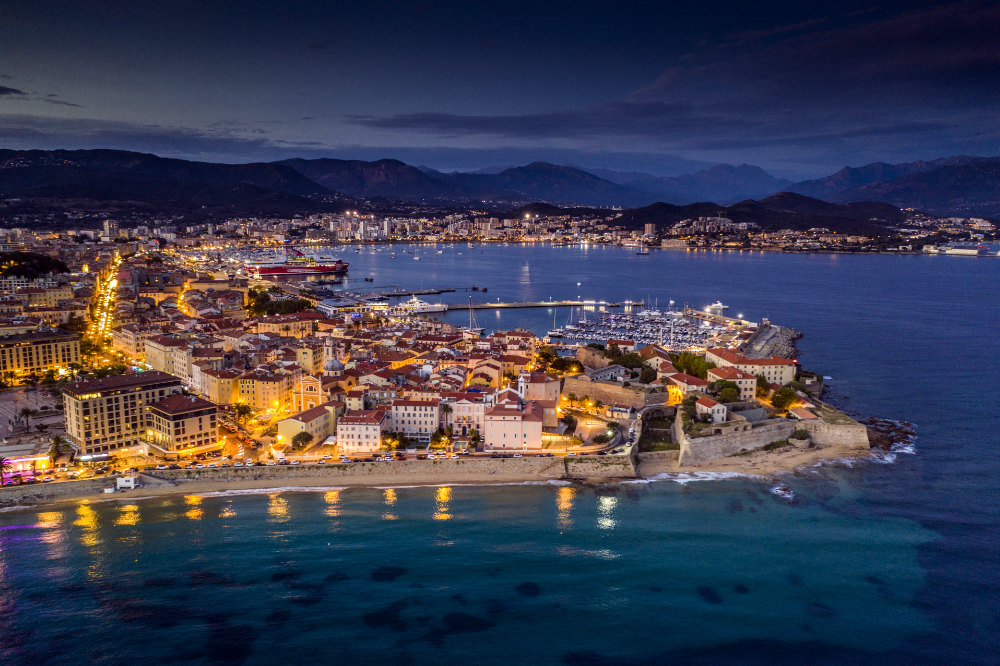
point(182, 362)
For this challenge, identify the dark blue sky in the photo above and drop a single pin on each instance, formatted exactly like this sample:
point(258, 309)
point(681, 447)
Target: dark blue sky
point(800, 89)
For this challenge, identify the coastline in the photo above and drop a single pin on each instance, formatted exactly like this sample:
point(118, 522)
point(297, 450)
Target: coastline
point(766, 466)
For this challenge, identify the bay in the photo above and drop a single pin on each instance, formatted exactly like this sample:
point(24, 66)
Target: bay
point(894, 559)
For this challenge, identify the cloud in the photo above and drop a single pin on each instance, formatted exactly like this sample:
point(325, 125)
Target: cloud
point(4, 91)
point(843, 86)
point(49, 99)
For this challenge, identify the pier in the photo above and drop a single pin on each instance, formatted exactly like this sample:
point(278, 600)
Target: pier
point(539, 304)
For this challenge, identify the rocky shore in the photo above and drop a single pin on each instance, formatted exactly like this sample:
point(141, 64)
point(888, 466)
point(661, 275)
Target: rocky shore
point(772, 340)
point(886, 433)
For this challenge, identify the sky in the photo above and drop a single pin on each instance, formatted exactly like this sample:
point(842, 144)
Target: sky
point(800, 89)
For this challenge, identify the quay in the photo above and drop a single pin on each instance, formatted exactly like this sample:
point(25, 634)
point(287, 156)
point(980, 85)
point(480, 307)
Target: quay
point(538, 304)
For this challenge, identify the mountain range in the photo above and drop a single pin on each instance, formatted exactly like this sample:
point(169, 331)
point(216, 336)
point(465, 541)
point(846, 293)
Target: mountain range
point(953, 186)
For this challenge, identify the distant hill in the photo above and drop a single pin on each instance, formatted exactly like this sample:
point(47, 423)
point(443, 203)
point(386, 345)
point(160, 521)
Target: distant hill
point(781, 211)
point(541, 181)
point(122, 180)
point(967, 188)
point(722, 183)
point(21, 171)
point(849, 178)
point(382, 178)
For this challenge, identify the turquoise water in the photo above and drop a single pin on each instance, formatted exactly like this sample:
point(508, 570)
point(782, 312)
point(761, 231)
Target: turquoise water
point(889, 560)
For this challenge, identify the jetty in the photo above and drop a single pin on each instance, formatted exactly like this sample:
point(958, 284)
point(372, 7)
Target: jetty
point(499, 305)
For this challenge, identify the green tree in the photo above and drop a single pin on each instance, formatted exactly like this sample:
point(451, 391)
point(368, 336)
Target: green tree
point(647, 375)
point(783, 397)
point(763, 386)
point(243, 411)
point(729, 394)
point(302, 440)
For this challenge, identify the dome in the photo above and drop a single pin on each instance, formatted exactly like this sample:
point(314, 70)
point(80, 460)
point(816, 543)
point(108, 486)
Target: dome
point(333, 365)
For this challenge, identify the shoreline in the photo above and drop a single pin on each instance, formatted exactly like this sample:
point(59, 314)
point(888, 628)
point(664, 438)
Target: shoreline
point(765, 466)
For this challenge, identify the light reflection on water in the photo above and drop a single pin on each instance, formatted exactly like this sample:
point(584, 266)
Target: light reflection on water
point(605, 508)
point(564, 506)
point(442, 504)
point(389, 498)
point(332, 499)
point(227, 511)
point(195, 512)
point(128, 515)
point(277, 509)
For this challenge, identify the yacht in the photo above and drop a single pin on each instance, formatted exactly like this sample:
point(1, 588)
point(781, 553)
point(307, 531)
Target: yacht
point(417, 306)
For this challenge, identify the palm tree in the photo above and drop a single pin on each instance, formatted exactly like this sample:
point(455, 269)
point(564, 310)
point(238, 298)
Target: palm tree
point(445, 411)
point(25, 414)
point(5, 466)
point(58, 441)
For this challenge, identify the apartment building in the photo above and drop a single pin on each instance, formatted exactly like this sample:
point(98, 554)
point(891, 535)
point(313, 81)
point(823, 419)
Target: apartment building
point(104, 415)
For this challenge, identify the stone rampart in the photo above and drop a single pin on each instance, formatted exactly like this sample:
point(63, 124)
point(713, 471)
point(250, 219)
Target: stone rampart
point(697, 450)
point(592, 358)
point(600, 467)
point(50, 492)
point(612, 393)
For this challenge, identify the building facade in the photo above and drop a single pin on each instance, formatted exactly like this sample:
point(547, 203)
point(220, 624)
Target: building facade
point(104, 415)
point(37, 352)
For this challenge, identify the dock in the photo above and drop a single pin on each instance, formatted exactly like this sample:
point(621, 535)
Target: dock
point(538, 304)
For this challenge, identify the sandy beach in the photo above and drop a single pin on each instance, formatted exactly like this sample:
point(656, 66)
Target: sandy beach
point(764, 464)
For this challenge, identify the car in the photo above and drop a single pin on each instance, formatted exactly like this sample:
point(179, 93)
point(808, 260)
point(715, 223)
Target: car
point(294, 462)
point(161, 467)
point(237, 464)
point(421, 456)
point(549, 455)
point(320, 462)
point(199, 466)
point(517, 455)
point(571, 453)
point(602, 453)
point(73, 475)
point(47, 479)
point(454, 457)
point(174, 466)
point(63, 469)
point(369, 460)
point(213, 465)
point(326, 457)
point(585, 453)
point(400, 457)
point(431, 456)
point(271, 463)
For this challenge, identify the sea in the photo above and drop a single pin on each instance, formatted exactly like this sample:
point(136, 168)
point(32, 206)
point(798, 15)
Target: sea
point(894, 558)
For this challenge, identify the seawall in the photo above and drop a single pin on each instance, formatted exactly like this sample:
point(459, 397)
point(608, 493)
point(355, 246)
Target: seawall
point(698, 450)
point(465, 470)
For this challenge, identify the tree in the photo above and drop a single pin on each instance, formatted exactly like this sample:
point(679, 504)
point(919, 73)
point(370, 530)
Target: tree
point(439, 439)
point(729, 394)
point(445, 409)
point(647, 375)
point(243, 411)
point(571, 397)
point(5, 466)
point(763, 386)
point(26, 413)
point(783, 397)
point(474, 437)
point(302, 440)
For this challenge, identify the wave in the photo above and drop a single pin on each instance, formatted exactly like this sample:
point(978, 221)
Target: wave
point(684, 478)
point(784, 492)
point(441, 484)
point(268, 491)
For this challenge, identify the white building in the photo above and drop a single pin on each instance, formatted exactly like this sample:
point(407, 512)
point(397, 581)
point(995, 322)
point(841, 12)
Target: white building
point(360, 431)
